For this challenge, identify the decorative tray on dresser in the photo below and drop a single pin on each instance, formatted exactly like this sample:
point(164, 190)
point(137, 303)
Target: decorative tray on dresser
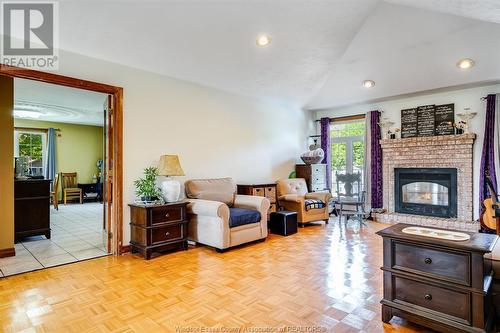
point(155, 228)
point(437, 283)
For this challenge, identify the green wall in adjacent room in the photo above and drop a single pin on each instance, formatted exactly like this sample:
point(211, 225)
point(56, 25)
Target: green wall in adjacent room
point(78, 147)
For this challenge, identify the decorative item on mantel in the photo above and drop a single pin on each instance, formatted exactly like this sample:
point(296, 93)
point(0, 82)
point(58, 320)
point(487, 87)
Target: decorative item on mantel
point(170, 166)
point(459, 127)
point(385, 124)
point(146, 189)
point(466, 117)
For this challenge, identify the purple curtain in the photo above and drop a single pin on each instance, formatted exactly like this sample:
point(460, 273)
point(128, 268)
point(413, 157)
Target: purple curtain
point(325, 145)
point(376, 161)
point(488, 154)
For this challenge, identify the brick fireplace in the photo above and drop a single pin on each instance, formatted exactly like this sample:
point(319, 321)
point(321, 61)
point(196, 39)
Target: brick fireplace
point(447, 152)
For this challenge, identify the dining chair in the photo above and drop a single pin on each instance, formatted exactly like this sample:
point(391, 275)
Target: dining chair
point(351, 200)
point(54, 194)
point(70, 187)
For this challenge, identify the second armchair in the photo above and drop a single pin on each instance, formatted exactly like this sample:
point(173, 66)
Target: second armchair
point(310, 207)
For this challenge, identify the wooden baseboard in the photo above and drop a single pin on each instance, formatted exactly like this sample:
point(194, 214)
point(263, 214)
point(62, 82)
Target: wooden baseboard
point(125, 249)
point(7, 252)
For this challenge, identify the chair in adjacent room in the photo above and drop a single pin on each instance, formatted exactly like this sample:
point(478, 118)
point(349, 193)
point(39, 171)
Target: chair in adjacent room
point(70, 187)
point(310, 207)
point(54, 194)
point(350, 197)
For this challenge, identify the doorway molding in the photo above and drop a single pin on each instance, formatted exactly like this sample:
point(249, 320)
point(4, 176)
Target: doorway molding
point(117, 247)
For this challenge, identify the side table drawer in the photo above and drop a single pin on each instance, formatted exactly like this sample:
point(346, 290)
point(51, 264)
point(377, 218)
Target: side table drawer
point(167, 233)
point(166, 214)
point(442, 264)
point(449, 302)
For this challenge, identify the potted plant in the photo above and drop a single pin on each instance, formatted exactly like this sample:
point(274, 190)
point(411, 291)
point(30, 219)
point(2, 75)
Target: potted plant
point(146, 188)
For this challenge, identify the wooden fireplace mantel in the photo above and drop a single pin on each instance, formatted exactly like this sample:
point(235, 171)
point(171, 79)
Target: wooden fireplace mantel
point(437, 140)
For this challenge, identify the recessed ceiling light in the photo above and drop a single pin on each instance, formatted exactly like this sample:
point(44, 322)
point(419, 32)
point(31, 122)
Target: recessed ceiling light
point(263, 40)
point(368, 83)
point(465, 63)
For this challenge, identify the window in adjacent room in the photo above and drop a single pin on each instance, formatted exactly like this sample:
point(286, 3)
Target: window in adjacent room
point(31, 145)
point(348, 149)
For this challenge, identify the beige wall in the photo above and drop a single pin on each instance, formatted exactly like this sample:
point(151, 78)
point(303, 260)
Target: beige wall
point(6, 163)
point(215, 133)
point(78, 147)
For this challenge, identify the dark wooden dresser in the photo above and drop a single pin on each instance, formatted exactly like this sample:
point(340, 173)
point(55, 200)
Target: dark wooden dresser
point(440, 284)
point(157, 228)
point(31, 208)
point(261, 190)
point(314, 174)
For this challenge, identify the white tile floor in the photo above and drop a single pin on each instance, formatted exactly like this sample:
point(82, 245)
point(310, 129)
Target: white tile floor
point(76, 235)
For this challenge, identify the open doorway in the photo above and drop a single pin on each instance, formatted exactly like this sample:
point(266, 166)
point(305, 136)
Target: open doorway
point(82, 215)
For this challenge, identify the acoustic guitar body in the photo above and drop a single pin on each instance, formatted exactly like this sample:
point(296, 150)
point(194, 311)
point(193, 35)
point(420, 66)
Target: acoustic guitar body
point(488, 218)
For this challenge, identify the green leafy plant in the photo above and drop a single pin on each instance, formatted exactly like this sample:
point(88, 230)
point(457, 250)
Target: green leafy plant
point(145, 188)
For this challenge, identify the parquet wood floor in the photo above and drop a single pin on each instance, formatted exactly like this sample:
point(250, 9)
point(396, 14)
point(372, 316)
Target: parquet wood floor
point(319, 280)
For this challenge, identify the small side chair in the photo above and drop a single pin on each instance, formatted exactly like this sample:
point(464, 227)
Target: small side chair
point(70, 187)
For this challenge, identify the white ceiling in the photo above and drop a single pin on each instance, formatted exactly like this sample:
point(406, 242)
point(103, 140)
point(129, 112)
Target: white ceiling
point(321, 50)
point(58, 103)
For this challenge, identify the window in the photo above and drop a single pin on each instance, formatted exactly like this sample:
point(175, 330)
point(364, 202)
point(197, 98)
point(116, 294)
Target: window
point(31, 145)
point(348, 149)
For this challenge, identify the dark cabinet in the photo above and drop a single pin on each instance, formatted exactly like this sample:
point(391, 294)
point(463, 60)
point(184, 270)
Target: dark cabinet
point(441, 284)
point(158, 228)
point(31, 208)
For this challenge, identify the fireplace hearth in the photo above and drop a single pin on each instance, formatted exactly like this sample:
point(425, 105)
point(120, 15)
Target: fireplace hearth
point(426, 191)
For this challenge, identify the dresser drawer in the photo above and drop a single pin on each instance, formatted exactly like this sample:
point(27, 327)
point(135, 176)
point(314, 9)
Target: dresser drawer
point(318, 178)
point(446, 265)
point(449, 302)
point(167, 233)
point(318, 168)
point(318, 187)
point(166, 214)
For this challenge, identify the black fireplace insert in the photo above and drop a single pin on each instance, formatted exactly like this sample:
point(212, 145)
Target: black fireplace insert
point(426, 191)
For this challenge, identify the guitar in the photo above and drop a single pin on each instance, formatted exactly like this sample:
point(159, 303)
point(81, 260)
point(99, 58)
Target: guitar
point(489, 218)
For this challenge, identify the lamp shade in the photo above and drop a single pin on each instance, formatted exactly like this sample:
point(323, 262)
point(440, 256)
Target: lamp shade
point(170, 166)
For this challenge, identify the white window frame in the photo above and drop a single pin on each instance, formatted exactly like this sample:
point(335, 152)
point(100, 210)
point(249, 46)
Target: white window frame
point(348, 140)
point(17, 132)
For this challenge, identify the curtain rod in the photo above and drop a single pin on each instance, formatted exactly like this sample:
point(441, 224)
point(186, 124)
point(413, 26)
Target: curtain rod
point(485, 97)
point(35, 129)
point(345, 118)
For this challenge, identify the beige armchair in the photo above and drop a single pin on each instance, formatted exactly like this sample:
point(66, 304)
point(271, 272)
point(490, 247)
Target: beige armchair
point(292, 194)
point(222, 219)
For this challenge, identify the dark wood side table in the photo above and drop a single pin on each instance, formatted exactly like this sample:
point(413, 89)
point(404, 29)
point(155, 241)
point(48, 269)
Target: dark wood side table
point(440, 284)
point(156, 228)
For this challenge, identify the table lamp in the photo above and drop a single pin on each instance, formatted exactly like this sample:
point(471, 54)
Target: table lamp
point(170, 166)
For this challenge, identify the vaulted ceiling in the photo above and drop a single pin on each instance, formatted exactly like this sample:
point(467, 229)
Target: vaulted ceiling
point(320, 53)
